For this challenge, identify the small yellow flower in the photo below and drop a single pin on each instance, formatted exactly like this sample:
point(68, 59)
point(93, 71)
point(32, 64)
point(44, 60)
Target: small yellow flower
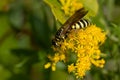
point(71, 68)
point(62, 57)
point(53, 66)
point(70, 6)
point(47, 65)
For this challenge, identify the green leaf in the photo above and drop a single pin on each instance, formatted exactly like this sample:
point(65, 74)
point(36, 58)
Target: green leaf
point(59, 75)
point(4, 73)
point(56, 9)
point(5, 55)
point(7, 42)
point(40, 28)
point(91, 5)
point(16, 15)
point(4, 24)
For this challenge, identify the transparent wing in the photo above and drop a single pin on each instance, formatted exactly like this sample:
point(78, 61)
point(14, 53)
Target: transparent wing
point(73, 19)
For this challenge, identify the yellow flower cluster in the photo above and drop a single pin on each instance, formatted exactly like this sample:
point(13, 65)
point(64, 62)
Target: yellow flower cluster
point(70, 6)
point(84, 43)
point(57, 57)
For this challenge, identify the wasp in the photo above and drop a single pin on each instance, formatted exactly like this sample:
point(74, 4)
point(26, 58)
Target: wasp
point(76, 21)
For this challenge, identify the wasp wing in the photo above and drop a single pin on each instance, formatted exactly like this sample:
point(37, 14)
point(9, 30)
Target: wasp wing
point(73, 19)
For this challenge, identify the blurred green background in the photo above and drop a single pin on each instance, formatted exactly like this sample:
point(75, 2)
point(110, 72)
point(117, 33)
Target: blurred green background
point(26, 30)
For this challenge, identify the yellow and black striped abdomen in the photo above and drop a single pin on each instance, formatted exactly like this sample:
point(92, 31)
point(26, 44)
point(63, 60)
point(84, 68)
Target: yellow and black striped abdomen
point(81, 24)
